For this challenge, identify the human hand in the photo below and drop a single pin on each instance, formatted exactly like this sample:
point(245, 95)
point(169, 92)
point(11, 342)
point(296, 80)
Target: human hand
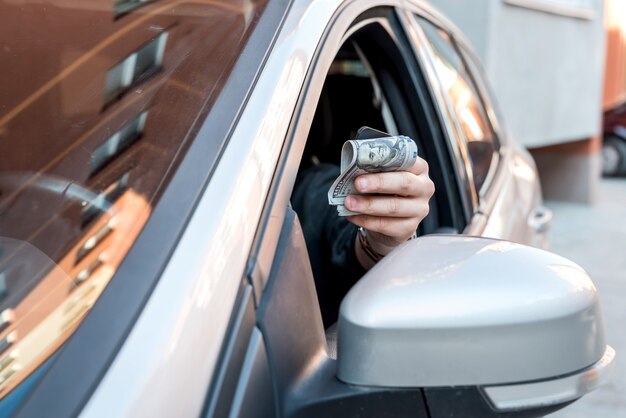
point(394, 214)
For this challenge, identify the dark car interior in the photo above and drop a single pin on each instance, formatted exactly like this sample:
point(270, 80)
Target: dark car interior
point(363, 88)
point(357, 94)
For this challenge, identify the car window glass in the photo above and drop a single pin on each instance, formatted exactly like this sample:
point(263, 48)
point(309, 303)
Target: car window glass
point(465, 100)
point(97, 107)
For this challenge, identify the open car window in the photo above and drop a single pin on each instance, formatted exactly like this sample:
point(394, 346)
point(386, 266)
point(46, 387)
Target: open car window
point(351, 98)
point(371, 82)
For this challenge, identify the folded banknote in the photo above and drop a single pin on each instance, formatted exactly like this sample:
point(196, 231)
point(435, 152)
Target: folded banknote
point(371, 151)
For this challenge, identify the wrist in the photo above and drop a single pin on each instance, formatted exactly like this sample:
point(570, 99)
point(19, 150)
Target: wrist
point(375, 253)
point(370, 251)
point(363, 256)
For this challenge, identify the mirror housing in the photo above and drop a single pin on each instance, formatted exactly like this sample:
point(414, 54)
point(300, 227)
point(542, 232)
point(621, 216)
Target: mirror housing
point(445, 311)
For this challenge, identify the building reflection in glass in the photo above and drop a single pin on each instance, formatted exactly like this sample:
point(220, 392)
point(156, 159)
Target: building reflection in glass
point(98, 104)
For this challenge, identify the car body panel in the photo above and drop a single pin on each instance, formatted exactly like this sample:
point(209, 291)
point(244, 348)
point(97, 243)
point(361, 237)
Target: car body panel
point(517, 212)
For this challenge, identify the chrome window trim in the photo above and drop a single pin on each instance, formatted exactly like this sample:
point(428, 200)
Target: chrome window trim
point(477, 226)
point(494, 168)
point(493, 182)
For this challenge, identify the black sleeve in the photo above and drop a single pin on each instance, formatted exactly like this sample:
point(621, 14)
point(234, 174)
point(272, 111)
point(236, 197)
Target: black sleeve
point(329, 238)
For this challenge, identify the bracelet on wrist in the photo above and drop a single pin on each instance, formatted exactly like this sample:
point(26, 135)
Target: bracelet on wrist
point(371, 253)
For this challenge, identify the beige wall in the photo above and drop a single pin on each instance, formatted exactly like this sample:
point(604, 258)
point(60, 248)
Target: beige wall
point(554, 70)
point(545, 64)
point(569, 171)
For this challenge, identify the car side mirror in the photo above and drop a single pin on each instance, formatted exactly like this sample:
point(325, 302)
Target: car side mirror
point(475, 321)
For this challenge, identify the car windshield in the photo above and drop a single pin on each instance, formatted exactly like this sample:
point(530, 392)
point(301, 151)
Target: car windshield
point(98, 104)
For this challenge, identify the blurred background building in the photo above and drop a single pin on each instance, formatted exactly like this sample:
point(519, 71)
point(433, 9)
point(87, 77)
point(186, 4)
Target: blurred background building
point(555, 66)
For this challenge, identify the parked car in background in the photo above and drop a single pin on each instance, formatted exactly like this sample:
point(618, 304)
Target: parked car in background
point(151, 264)
point(614, 142)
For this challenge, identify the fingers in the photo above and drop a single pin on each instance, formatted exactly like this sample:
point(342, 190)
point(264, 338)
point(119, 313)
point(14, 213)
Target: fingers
point(419, 167)
point(397, 229)
point(403, 183)
point(390, 206)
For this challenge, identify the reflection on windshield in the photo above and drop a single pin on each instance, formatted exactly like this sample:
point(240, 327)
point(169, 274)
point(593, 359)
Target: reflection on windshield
point(62, 292)
point(98, 103)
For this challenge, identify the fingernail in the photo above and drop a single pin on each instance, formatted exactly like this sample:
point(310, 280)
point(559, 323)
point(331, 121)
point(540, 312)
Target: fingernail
point(362, 184)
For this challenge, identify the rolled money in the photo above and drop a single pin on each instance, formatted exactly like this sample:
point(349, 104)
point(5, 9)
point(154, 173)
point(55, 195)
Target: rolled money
point(375, 155)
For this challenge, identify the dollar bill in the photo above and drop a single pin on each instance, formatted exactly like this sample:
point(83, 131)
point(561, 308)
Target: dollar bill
point(372, 155)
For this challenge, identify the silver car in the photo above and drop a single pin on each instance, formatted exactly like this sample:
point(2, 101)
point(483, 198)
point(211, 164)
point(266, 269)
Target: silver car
point(151, 264)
